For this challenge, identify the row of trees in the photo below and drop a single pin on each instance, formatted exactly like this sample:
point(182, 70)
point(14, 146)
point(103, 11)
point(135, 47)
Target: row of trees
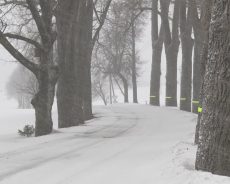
point(115, 58)
point(202, 29)
point(55, 41)
point(70, 27)
point(64, 33)
point(179, 25)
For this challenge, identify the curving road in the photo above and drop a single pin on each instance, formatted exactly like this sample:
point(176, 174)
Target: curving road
point(125, 144)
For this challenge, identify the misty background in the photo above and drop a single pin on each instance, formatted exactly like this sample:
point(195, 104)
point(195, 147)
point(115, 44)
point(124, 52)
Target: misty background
point(144, 45)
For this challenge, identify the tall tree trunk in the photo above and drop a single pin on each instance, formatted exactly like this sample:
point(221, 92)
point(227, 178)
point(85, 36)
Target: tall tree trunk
point(205, 24)
point(43, 100)
point(187, 49)
point(87, 45)
point(70, 112)
point(196, 71)
point(87, 92)
point(198, 45)
point(157, 44)
point(42, 103)
point(171, 41)
point(213, 153)
point(134, 72)
point(69, 92)
point(89, 41)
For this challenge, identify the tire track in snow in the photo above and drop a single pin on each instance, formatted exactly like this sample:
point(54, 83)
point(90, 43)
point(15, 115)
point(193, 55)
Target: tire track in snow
point(75, 150)
point(61, 140)
point(70, 178)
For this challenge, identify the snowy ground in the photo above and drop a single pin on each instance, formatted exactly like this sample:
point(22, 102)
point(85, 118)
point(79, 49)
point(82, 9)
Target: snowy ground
point(125, 144)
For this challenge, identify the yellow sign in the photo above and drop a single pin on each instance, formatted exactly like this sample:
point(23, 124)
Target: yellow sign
point(200, 109)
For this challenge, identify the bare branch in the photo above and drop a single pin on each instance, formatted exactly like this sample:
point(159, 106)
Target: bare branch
point(28, 40)
point(17, 55)
point(15, 2)
point(102, 21)
point(95, 11)
point(38, 20)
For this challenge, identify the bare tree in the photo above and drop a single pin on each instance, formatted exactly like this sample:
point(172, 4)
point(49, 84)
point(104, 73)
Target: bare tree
point(99, 88)
point(114, 64)
point(136, 15)
point(39, 13)
point(93, 28)
point(116, 47)
point(102, 78)
point(205, 22)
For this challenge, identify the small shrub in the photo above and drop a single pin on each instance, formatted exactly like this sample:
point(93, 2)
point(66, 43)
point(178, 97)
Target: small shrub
point(27, 131)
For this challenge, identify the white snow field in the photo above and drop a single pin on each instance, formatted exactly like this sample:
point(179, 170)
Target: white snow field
point(125, 144)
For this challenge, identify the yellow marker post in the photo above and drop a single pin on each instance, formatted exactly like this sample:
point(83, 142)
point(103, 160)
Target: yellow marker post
point(200, 110)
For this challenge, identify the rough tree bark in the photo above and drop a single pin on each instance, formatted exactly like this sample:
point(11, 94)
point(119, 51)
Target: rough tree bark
point(43, 100)
point(171, 42)
point(187, 49)
point(157, 44)
point(47, 74)
point(205, 24)
point(69, 94)
point(213, 153)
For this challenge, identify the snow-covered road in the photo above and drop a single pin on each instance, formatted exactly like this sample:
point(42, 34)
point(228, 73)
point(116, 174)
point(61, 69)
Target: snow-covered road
point(125, 144)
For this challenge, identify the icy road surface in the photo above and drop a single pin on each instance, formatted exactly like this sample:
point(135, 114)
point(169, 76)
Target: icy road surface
point(125, 144)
